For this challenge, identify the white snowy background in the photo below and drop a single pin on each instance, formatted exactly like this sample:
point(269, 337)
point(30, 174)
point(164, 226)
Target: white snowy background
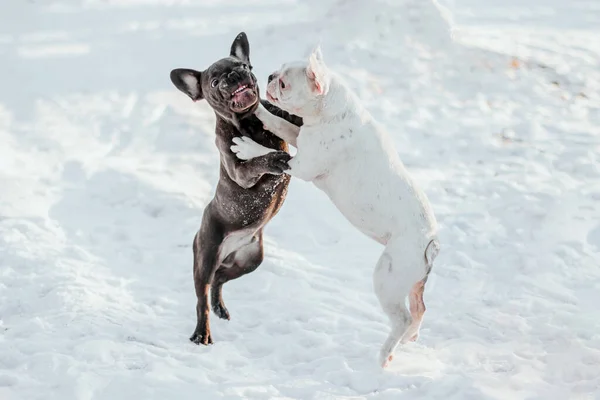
point(105, 169)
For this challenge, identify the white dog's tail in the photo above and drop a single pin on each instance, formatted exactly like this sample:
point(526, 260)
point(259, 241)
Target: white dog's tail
point(431, 252)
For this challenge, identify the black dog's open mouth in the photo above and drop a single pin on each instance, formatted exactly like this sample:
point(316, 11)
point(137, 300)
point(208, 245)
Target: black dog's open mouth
point(243, 97)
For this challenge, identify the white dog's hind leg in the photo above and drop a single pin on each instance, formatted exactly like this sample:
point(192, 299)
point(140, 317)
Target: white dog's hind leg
point(400, 320)
point(417, 310)
point(391, 296)
point(400, 273)
point(245, 148)
point(417, 305)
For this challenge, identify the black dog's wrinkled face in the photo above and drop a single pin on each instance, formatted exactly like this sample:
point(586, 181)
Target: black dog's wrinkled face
point(228, 85)
point(231, 81)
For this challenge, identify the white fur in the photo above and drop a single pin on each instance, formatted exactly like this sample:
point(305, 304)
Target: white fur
point(285, 130)
point(246, 148)
point(348, 155)
point(191, 83)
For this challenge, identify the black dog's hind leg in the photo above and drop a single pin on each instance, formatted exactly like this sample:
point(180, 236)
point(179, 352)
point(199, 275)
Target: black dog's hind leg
point(206, 249)
point(245, 260)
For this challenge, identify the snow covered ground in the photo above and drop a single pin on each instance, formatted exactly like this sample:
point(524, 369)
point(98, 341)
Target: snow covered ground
point(105, 169)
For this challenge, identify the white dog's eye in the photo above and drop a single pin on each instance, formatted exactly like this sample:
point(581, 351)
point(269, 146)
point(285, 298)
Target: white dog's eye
point(281, 84)
point(214, 83)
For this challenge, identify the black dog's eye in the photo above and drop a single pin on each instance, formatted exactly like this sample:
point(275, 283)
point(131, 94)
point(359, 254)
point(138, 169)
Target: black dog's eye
point(246, 66)
point(214, 83)
point(281, 84)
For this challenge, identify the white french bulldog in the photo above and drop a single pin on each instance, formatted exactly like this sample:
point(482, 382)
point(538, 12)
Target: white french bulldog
point(348, 155)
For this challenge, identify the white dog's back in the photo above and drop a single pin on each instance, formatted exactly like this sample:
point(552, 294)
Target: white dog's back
point(364, 176)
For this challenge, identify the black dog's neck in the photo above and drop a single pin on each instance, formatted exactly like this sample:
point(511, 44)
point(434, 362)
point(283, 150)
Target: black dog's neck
point(238, 120)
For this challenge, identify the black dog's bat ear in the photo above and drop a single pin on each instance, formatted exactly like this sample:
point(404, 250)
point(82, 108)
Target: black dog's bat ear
point(188, 81)
point(240, 48)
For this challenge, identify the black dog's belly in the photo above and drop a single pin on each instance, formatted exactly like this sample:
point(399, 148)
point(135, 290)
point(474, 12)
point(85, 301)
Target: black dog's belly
point(240, 208)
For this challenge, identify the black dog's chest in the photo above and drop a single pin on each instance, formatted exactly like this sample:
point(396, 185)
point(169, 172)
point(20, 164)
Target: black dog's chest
point(253, 128)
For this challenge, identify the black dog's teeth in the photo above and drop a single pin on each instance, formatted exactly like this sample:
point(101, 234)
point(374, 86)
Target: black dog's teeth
point(239, 90)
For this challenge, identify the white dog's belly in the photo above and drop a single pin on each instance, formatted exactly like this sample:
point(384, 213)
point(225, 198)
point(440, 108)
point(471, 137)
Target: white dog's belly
point(378, 201)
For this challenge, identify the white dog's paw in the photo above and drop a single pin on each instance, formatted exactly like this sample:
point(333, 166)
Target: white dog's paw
point(385, 359)
point(245, 148)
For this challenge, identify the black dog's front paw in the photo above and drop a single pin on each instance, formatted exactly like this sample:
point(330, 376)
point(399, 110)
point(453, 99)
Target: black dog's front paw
point(199, 337)
point(276, 163)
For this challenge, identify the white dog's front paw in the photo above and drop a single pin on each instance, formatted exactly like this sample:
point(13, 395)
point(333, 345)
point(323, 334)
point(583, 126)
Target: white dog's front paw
point(245, 148)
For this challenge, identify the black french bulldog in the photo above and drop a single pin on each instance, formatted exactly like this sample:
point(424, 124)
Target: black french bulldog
point(249, 193)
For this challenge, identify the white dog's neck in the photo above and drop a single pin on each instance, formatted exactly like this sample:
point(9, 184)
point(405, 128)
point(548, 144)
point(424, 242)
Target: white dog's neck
point(335, 106)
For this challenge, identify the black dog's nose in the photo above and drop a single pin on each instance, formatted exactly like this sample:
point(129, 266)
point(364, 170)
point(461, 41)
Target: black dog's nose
point(271, 78)
point(234, 75)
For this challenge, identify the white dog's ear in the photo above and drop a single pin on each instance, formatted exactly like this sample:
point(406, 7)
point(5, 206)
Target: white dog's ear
point(240, 48)
point(317, 72)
